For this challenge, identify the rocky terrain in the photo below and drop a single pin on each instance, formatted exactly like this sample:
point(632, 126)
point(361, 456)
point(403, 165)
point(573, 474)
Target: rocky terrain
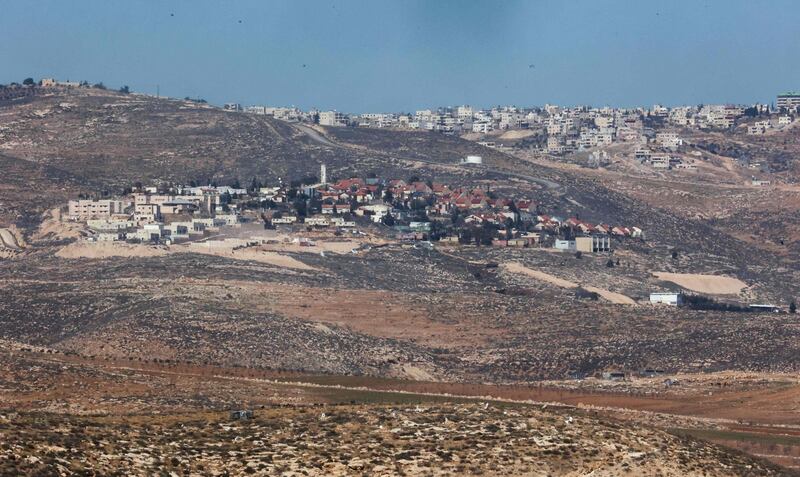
point(370, 440)
point(414, 313)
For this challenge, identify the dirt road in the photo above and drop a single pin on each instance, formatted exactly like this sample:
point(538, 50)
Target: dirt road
point(607, 295)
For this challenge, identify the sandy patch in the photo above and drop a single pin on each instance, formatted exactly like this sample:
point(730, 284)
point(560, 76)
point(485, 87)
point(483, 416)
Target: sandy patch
point(269, 257)
point(341, 247)
point(10, 240)
point(711, 284)
point(54, 227)
point(517, 134)
point(82, 249)
point(372, 312)
point(616, 298)
point(407, 371)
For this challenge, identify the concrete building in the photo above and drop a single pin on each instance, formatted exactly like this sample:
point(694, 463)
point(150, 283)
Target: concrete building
point(568, 245)
point(789, 101)
point(91, 208)
point(593, 244)
point(332, 118)
point(464, 112)
point(666, 298)
point(669, 139)
point(472, 160)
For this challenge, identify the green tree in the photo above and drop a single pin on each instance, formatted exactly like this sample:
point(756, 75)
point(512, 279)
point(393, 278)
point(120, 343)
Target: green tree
point(28, 82)
point(792, 307)
point(125, 90)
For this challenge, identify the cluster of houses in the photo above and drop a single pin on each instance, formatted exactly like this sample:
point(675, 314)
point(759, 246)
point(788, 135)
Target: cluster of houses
point(151, 216)
point(406, 210)
point(423, 210)
point(565, 129)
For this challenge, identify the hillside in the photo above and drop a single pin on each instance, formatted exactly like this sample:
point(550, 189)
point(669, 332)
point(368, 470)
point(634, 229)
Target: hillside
point(90, 140)
point(364, 323)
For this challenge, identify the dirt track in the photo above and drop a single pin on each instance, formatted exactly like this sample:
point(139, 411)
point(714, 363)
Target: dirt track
point(616, 298)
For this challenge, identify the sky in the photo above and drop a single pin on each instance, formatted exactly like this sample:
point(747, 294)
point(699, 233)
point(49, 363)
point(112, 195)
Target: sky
point(376, 55)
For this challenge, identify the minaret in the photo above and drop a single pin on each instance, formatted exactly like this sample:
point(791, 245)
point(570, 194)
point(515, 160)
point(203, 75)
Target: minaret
point(323, 174)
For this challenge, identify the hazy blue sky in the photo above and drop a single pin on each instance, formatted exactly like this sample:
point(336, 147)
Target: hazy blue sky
point(403, 55)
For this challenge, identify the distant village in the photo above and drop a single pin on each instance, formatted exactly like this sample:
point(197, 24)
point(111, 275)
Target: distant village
point(655, 135)
point(563, 130)
point(405, 210)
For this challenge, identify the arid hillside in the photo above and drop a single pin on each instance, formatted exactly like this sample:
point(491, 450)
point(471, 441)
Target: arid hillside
point(94, 140)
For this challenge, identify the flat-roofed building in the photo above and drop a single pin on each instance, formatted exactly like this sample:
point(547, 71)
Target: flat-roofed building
point(666, 298)
point(789, 100)
point(90, 208)
point(593, 244)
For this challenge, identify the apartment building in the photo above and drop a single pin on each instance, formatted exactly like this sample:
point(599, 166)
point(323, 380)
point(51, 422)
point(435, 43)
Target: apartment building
point(332, 118)
point(464, 113)
point(90, 208)
point(669, 139)
point(789, 101)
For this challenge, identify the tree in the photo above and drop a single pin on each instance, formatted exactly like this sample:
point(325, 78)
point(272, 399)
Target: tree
point(578, 254)
point(674, 254)
point(255, 186)
point(455, 215)
point(388, 197)
point(225, 199)
point(610, 263)
point(466, 236)
point(235, 184)
point(388, 220)
point(299, 205)
point(125, 90)
point(792, 307)
point(99, 85)
point(28, 82)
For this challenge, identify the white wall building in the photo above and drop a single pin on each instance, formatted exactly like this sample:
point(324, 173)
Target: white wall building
point(332, 118)
point(666, 298)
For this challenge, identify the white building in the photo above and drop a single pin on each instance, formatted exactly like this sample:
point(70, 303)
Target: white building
point(332, 118)
point(482, 127)
point(472, 160)
point(568, 245)
point(666, 298)
point(789, 101)
point(669, 139)
point(464, 113)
